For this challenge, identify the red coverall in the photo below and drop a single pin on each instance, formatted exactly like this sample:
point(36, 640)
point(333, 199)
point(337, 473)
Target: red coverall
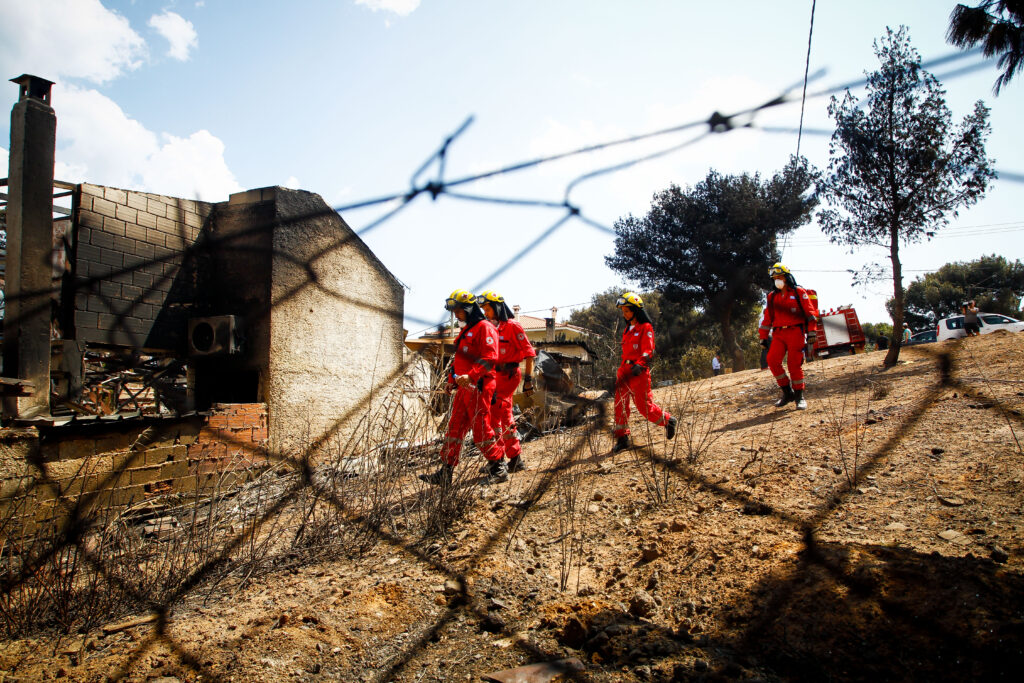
point(513, 347)
point(788, 315)
point(476, 351)
point(637, 348)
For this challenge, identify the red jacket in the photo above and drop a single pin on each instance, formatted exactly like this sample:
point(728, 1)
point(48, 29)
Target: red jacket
point(788, 307)
point(638, 344)
point(513, 346)
point(476, 351)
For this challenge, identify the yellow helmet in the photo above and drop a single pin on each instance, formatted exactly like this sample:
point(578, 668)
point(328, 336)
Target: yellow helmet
point(630, 298)
point(778, 269)
point(460, 297)
point(490, 295)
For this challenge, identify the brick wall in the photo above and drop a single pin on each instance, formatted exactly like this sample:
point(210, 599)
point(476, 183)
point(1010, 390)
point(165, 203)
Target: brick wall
point(129, 266)
point(128, 464)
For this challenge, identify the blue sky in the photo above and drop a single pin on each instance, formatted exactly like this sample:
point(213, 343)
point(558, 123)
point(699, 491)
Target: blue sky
point(347, 98)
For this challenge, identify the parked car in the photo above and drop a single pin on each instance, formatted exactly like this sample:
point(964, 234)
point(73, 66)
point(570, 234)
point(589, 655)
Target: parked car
point(925, 337)
point(953, 327)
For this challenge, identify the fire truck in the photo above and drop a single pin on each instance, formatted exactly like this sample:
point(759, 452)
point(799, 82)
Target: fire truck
point(839, 332)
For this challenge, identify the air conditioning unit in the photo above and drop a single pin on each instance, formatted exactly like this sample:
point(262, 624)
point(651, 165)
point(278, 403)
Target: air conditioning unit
point(216, 335)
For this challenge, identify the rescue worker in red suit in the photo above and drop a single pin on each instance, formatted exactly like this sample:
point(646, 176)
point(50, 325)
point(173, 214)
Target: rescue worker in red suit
point(633, 379)
point(789, 319)
point(472, 377)
point(513, 348)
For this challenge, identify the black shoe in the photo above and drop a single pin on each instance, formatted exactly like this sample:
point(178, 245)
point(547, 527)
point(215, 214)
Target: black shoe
point(497, 472)
point(516, 465)
point(442, 477)
point(787, 396)
point(670, 428)
point(798, 396)
point(621, 444)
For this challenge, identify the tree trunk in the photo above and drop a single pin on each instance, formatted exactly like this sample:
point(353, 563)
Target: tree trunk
point(729, 338)
point(893, 356)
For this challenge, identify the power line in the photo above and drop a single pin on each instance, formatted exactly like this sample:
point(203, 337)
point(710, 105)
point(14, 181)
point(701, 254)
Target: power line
point(807, 68)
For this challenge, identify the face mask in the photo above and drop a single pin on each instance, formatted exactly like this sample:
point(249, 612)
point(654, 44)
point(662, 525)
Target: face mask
point(779, 284)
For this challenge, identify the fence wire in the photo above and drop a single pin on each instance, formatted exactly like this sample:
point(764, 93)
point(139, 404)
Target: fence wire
point(72, 532)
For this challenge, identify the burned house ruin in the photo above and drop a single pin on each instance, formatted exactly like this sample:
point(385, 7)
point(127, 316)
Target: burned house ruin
point(124, 308)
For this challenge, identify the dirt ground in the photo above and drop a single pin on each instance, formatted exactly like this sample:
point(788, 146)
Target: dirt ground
point(877, 535)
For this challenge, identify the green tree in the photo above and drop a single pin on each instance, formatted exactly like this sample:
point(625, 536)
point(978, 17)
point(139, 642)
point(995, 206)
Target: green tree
point(709, 247)
point(898, 168)
point(996, 284)
point(999, 26)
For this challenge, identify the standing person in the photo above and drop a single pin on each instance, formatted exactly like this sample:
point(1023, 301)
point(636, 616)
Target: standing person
point(472, 377)
point(513, 348)
point(972, 326)
point(716, 365)
point(633, 379)
point(789, 318)
point(906, 334)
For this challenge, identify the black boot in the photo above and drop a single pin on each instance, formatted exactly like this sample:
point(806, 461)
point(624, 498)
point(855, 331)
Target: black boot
point(798, 396)
point(442, 477)
point(787, 396)
point(621, 444)
point(670, 428)
point(497, 472)
point(516, 465)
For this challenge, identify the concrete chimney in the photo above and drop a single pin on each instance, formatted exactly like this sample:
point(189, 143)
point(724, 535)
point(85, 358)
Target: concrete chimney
point(515, 311)
point(26, 347)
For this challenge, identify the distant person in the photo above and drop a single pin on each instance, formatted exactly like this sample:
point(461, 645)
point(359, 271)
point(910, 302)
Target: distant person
point(633, 379)
point(972, 326)
point(882, 343)
point(906, 333)
point(789, 317)
point(716, 365)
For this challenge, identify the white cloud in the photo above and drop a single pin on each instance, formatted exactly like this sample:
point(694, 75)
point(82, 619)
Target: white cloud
point(67, 39)
point(191, 167)
point(97, 142)
point(179, 32)
point(400, 7)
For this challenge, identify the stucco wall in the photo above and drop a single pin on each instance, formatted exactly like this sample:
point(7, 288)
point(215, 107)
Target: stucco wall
point(333, 340)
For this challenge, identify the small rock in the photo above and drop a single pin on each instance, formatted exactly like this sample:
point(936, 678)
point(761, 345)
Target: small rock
point(951, 501)
point(954, 536)
point(492, 623)
point(938, 451)
point(650, 552)
point(999, 555)
point(451, 587)
point(574, 634)
point(677, 525)
point(896, 526)
point(641, 604)
point(598, 496)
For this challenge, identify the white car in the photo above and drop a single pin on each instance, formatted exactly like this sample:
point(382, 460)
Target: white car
point(953, 327)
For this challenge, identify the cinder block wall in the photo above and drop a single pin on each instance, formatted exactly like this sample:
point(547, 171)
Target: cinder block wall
point(130, 266)
point(126, 465)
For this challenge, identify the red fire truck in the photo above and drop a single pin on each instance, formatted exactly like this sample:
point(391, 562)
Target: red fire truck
point(839, 332)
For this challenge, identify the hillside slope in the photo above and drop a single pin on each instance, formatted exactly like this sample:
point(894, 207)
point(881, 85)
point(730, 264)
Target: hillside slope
point(878, 535)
